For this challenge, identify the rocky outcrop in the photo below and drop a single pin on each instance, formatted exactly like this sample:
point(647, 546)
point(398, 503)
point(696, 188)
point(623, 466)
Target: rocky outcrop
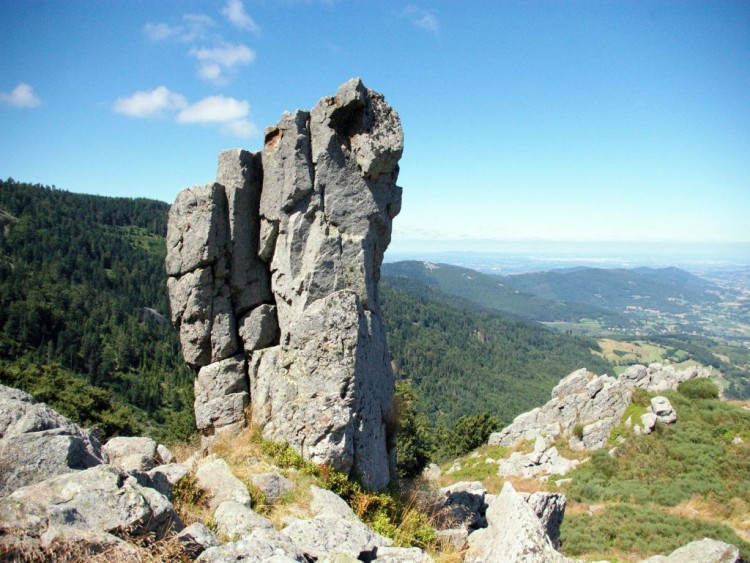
point(37, 443)
point(705, 551)
point(273, 283)
point(543, 460)
point(594, 404)
point(514, 534)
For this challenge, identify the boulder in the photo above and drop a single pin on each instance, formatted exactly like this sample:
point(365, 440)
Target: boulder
point(235, 520)
point(272, 485)
point(329, 504)
point(663, 410)
point(705, 551)
point(514, 534)
point(101, 498)
point(262, 545)
point(163, 478)
point(213, 475)
point(402, 555)
point(132, 453)
point(195, 539)
point(37, 443)
point(323, 535)
point(460, 505)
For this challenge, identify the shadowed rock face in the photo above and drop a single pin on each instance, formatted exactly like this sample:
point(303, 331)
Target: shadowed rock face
point(273, 282)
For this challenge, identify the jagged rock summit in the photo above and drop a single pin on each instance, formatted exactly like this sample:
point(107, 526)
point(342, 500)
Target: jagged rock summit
point(273, 283)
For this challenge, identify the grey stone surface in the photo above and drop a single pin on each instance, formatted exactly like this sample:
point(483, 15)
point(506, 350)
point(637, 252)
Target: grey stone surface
point(663, 410)
point(213, 474)
point(221, 395)
point(328, 503)
point(272, 485)
point(327, 534)
point(235, 520)
point(514, 534)
point(704, 551)
point(259, 262)
point(132, 453)
point(101, 498)
point(37, 443)
point(550, 509)
point(402, 555)
point(260, 546)
point(163, 478)
point(543, 460)
point(259, 328)
point(196, 538)
point(460, 505)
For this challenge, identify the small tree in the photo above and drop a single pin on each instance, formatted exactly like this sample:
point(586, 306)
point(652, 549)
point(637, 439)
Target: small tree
point(414, 445)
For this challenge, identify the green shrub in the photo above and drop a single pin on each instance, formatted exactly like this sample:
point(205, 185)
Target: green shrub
point(638, 530)
point(578, 431)
point(699, 388)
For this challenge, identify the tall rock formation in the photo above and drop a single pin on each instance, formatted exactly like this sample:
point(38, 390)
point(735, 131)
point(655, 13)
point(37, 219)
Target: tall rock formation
point(273, 282)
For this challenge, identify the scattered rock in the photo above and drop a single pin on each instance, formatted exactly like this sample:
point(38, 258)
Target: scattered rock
point(260, 546)
point(101, 498)
point(542, 460)
point(37, 443)
point(235, 520)
point(663, 410)
point(132, 453)
point(514, 534)
point(737, 440)
point(325, 534)
point(432, 472)
point(327, 503)
point(402, 555)
point(163, 478)
point(272, 485)
point(648, 422)
point(196, 538)
point(213, 474)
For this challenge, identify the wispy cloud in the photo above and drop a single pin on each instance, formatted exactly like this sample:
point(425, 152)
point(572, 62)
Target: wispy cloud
point(214, 109)
point(150, 103)
point(421, 18)
point(215, 61)
point(194, 27)
point(235, 13)
point(230, 114)
point(22, 96)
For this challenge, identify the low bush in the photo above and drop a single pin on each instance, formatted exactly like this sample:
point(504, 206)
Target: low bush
point(640, 531)
point(699, 388)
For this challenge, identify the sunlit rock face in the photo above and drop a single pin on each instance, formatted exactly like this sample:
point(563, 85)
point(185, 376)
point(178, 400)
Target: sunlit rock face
point(273, 283)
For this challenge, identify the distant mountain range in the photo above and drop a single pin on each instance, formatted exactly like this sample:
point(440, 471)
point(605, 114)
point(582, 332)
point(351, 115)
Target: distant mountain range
point(569, 294)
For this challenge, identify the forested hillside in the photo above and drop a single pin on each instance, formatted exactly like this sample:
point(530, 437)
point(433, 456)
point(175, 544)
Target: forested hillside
point(83, 303)
point(666, 289)
point(463, 360)
point(496, 293)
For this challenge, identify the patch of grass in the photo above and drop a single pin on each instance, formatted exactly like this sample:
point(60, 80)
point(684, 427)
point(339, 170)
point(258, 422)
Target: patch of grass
point(639, 531)
point(190, 501)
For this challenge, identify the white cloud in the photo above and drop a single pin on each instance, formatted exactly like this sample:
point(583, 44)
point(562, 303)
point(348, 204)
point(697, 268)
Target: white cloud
point(22, 96)
point(215, 60)
point(427, 21)
point(193, 28)
point(421, 18)
point(214, 109)
point(242, 128)
point(234, 11)
point(151, 103)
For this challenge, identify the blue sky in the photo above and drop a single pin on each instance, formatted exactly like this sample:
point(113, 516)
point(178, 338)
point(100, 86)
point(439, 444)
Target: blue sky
point(565, 121)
